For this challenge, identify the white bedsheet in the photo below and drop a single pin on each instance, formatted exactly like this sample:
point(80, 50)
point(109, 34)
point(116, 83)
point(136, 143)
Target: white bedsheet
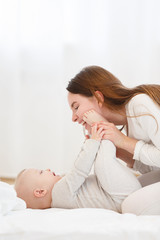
point(77, 224)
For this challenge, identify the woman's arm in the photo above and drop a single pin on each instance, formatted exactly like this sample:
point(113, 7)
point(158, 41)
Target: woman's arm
point(145, 125)
point(131, 163)
point(147, 149)
point(125, 156)
point(147, 153)
point(119, 139)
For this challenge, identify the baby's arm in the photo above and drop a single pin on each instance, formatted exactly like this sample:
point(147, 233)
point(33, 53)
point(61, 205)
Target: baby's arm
point(66, 189)
point(85, 159)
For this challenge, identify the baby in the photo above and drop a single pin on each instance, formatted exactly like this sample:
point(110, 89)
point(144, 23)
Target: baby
point(110, 184)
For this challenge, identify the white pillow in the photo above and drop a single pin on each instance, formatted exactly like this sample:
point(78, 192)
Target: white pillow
point(9, 200)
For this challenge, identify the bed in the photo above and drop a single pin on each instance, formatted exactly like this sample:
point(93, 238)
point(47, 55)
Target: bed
point(18, 223)
point(86, 224)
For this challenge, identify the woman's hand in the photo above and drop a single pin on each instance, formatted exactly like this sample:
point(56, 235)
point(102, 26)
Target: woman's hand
point(120, 140)
point(112, 133)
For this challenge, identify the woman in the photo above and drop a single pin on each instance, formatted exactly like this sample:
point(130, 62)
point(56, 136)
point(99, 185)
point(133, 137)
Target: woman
point(136, 109)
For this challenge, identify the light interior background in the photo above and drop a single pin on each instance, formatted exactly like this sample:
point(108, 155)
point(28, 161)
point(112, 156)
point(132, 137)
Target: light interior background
point(43, 44)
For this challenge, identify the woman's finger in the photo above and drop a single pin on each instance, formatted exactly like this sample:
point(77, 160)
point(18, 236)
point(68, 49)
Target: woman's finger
point(97, 123)
point(102, 134)
point(100, 129)
point(109, 125)
point(94, 128)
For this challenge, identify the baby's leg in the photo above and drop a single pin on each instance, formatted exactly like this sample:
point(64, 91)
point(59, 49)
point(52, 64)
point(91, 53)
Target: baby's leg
point(91, 117)
point(117, 180)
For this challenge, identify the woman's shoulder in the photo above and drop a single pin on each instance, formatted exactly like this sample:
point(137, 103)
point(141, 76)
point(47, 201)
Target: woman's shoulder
point(139, 103)
point(140, 99)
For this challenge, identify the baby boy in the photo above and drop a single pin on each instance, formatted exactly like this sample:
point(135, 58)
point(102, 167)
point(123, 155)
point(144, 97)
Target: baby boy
point(110, 184)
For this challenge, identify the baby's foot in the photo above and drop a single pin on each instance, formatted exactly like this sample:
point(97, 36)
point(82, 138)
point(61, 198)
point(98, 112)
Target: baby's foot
point(91, 117)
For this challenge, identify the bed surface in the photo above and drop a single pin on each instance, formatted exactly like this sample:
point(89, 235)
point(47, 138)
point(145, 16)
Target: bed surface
point(86, 224)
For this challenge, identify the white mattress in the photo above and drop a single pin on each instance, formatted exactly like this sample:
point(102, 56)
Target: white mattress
point(77, 224)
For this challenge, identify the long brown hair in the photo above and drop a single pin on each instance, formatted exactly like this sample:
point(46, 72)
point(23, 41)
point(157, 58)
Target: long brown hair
point(116, 95)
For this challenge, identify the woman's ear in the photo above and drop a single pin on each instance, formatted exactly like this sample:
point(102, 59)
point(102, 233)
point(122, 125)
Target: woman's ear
point(99, 97)
point(39, 192)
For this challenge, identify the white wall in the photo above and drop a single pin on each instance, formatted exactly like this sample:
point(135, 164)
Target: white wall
point(43, 44)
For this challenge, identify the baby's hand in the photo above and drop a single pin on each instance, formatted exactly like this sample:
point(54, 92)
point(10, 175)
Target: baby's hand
point(96, 133)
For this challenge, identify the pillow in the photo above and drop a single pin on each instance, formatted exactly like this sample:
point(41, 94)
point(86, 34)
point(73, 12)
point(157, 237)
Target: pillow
point(9, 200)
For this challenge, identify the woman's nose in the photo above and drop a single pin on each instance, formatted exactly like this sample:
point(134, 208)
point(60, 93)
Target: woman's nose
point(74, 117)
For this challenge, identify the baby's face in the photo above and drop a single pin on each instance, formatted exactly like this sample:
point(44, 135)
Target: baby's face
point(40, 178)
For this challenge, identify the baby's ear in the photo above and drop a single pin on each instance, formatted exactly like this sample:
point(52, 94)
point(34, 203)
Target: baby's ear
point(39, 192)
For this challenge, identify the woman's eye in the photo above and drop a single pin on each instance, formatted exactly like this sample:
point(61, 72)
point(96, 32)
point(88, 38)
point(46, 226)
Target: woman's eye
point(76, 107)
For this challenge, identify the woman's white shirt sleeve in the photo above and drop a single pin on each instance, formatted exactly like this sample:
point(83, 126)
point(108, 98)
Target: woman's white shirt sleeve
point(146, 129)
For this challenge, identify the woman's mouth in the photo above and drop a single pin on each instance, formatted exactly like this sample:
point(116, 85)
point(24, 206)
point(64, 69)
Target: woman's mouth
point(54, 174)
point(83, 123)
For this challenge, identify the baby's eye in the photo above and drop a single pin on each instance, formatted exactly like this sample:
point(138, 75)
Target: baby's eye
point(41, 171)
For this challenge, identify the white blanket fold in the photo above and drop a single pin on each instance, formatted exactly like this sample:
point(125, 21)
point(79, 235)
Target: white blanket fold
point(9, 200)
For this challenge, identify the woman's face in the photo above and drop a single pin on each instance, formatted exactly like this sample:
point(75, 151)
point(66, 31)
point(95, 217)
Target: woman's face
point(80, 104)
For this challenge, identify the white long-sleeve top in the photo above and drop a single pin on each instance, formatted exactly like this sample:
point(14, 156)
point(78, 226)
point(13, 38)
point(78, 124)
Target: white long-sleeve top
point(144, 125)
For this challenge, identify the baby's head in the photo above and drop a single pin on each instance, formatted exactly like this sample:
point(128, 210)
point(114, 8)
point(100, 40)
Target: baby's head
point(35, 187)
